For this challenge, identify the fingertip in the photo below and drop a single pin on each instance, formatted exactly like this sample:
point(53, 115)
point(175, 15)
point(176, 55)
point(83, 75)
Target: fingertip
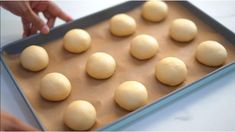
point(45, 29)
point(69, 19)
point(64, 16)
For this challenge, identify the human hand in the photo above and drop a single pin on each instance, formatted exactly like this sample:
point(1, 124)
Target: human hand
point(10, 123)
point(29, 10)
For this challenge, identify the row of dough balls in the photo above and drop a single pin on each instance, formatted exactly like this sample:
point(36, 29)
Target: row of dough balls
point(124, 25)
point(182, 30)
point(130, 95)
point(101, 65)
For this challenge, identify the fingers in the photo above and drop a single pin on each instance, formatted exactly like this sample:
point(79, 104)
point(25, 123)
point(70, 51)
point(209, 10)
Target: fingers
point(36, 21)
point(34, 28)
point(16, 125)
point(54, 10)
point(32, 22)
point(62, 15)
point(50, 19)
point(26, 27)
point(51, 22)
point(29, 28)
point(10, 123)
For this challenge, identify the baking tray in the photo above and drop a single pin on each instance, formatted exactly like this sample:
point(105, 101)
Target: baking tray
point(18, 46)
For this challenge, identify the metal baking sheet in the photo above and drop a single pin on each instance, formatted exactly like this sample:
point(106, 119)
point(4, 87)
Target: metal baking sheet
point(58, 32)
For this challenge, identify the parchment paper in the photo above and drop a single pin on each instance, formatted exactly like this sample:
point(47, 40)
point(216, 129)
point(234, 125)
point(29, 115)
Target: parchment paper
point(100, 92)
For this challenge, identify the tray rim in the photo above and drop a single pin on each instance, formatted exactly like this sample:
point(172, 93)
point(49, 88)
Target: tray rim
point(31, 109)
point(114, 125)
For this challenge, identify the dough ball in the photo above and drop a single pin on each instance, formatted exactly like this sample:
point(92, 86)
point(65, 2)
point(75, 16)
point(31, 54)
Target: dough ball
point(154, 10)
point(131, 95)
point(34, 58)
point(143, 47)
point(211, 53)
point(80, 115)
point(122, 25)
point(183, 30)
point(100, 65)
point(55, 87)
point(77, 40)
point(171, 71)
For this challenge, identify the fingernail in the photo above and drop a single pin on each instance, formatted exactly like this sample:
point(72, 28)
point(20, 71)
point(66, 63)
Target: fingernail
point(45, 29)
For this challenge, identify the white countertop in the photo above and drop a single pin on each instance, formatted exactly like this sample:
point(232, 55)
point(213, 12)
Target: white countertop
point(210, 108)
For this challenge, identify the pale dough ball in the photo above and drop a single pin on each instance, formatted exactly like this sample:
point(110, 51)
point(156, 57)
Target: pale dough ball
point(211, 53)
point(77, 40)
point(80, 115)
point(144, 47)
point(171, 71)
point(122, 25)
point(131, 95)
point(100, 65)
point(55, 87)
point(183, 30)
point(154, 10)
point(34, 58)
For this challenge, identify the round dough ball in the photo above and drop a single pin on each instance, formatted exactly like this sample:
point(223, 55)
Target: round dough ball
point(80, 115)
point(171, 71)
point(122, 25)
point(144, 47)
point(211, 53)
point(100, 65)
point(154, 10)
point(77, 40)
point(55, 87)
point(183, 30)
point(34, 58)
point(131, 95)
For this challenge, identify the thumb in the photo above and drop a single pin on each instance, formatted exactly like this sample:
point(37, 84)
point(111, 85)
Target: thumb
point(37, 22)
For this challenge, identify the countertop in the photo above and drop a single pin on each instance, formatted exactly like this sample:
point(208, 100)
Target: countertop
point(210, 108)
